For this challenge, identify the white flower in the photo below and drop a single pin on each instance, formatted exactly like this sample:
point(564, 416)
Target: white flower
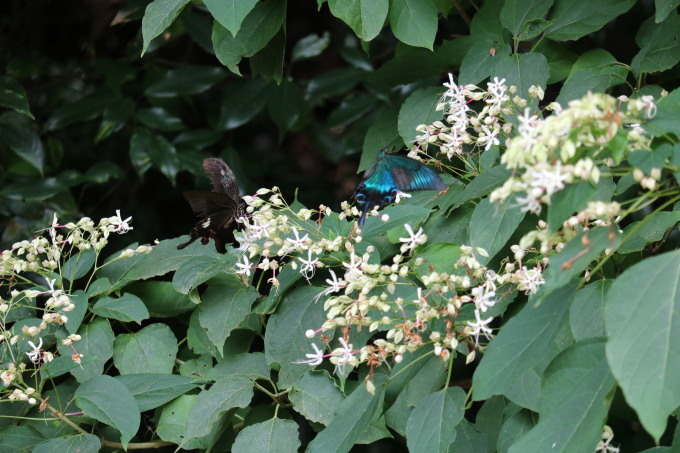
point(308, 266)
point(479, 327)
point(549, 178)
point(483, 300)
point(300, 243)
point(489, 137)
point(35, 355)
point(343, 355)
point(530, 280)
point(244, 268)
point(312, 359)
point(411, 242)
point(119, 225)
point(335, 286)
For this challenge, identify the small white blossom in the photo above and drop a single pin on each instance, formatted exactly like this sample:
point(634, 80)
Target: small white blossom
point(244, 268)
point(475, 328)
point(411, 242)
point(35, 354)
point(120, 226)
point(312, 359)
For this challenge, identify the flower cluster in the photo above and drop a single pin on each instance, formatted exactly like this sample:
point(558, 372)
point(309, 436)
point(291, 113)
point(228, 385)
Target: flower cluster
point(30, 271)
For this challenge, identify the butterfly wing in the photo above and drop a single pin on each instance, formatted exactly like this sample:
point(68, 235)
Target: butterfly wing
point(389, 175)
point(222, 178)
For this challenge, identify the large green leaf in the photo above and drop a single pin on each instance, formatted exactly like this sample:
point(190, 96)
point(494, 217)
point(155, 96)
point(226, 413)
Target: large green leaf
point(224, 306)
point(24, 142)
point(107, 400)
point(492, 225)
point(273, 436)
point(151, 350)
point(574, 19)
point(586, 315)
point(515, 360)
point(638, 234)
point(574, 401)
point(127, 308)
point(285, 340)
point(659, 45)
point(642, 320)
point(414, 22)
point(153, 390)
point(479, 61)
point(517, 13)
point(79, 443)
point(315, 396)
point(349, 421)
point(158, 16)
point(365, 17)
point(523, 70)
point(96, 345)
point(225, 394)
point(433, 421)
point(230, 13)
point(419, 108)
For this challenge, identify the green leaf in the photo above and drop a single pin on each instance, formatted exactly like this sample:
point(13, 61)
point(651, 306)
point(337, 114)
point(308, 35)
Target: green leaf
point(479, 61)
point(482, 185)
point(310, 46)
point(492, 225)
point(515, 359)
point(568, 201)
point(666, 118)
point(517, 13)
point(659, 45)
point(365, 17)
point(19, 438)
point(664, 8)
point(251, 365)
point(414, 22)
point(574, 19)
point(185, 80)
point(315, 396)
point(642, 319)
point(523, 70)
point(574, 401)
point(560, 59)
point(259, 26)
point(242, 100)
point(225, 394)
point(126, 308)
point(287, 106)
point(469, 439)
point(398, 215)
point(230, 13)
point(586, 315)
point(428, 377)
point(579, 252)
point(515, 427)
point(160, 119)
point(197, 271)
point(79, 265)
point(225, 305)
point(153, 390)
point(382, 133)
point(110, 402)
point(85, 109)
point(333, 83)
point(161, 299)
point(417, 109)
point(350, 110)
point(596, 70)
point(268, 62)
point(349, 421)
point(437, 257)
point(158, 16)
point(273, 436)
point(489, 419)
point(285, 340)
point(96, 345)
point(638, 234)
point(433, 421)
point(151, 350)
point(24, 143)
point(79, 443)
point(13, 96)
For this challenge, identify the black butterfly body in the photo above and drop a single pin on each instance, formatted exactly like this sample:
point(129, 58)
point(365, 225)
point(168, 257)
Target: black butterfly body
point(217, 209)
point(389, 175)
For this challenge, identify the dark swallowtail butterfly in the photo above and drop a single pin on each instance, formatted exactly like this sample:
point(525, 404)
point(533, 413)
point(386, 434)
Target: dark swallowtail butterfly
point(390, 174)
point(217, 209)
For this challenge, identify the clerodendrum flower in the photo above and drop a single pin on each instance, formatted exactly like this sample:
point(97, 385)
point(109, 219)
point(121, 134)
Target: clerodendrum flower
point(308, 265)
point(120, 226)
point(35, 354)
point(244, 268)
point(411, 242)
point(312, 359)
point(480, 326)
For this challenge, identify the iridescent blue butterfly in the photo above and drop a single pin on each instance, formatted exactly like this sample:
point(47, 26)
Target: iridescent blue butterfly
point(389, 175)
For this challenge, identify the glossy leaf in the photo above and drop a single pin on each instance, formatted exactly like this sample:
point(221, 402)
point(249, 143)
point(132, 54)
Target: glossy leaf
point(492, 225)
point(230, 13)
point(433, 421)
point(418, 108)
point(574, 19)
point(13, 96)
point(158, 16)
point(517, 13)
point(24, 143)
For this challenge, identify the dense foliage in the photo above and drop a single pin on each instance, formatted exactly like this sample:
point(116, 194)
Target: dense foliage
point(531, 306)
